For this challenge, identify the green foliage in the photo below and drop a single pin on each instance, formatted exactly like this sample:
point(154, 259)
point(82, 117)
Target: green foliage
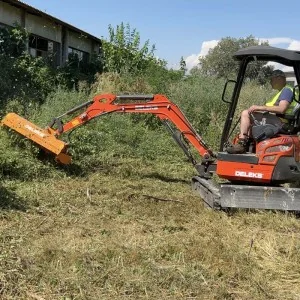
point(36, 78)
point(182, 65)
point(123, 52)
point(27, 79)
point(57, 102)
point(76, 71)
point(24, 78)
point(30, 79)
point(19, 159)
point(120, 83)
point(160, 78)
point(13, 41)
point(219, 60)
point(199, 97)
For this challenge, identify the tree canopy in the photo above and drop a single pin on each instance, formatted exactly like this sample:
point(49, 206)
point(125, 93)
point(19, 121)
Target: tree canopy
point(123, 51)
point(219, 61)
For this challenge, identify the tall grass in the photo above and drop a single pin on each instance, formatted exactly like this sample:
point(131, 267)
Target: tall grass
point(117, 136)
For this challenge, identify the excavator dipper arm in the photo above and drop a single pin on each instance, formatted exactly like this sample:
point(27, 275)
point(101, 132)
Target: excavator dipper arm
point(104, 104)
point(157, 105)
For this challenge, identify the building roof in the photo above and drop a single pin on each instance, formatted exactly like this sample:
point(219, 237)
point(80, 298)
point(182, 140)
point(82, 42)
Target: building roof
point(287, 57)
point(37, 12)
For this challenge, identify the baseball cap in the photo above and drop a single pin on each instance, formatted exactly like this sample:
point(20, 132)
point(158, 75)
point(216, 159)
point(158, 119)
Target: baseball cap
point(277, 73)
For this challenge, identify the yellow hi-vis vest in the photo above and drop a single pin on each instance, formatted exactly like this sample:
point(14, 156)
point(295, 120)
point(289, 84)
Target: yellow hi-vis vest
point(291, 109)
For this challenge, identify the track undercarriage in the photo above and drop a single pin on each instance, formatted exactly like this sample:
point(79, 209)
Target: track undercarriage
point(226, 195)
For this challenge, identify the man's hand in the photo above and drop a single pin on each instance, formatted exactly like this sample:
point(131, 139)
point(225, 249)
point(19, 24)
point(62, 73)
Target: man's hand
point(254, 108)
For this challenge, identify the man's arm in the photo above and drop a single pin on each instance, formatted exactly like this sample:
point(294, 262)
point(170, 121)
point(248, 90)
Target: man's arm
point(281, 105)
point(278, 109)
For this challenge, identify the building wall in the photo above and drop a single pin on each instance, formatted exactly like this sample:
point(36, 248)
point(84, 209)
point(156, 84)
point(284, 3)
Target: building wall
point(291, 78)
point(291, 81)
point(79, 42)
point(10, 15)
point(43, 28)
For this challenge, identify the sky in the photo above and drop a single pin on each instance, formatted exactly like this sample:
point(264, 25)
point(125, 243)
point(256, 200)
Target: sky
point(183, 28)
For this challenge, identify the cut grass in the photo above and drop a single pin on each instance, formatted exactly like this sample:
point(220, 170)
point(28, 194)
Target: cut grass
point(137, 231)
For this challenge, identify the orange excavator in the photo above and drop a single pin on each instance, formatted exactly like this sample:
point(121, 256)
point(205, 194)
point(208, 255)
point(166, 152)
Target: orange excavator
point(251, 180)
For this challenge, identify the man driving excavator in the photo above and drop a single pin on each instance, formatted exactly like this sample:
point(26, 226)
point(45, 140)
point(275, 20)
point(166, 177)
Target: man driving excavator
point(282, 103)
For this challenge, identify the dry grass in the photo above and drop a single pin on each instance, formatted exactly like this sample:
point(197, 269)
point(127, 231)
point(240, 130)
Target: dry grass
point(116, 83)
point(140, 236)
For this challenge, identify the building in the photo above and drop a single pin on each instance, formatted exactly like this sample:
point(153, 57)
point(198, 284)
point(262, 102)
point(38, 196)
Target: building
point(290, 78)
point(49, 36)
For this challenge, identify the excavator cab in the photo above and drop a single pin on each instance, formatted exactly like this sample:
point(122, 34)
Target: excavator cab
point(245, 56)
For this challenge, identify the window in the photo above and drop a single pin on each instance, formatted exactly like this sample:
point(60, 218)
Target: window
point(81, 55)
point(40, 47)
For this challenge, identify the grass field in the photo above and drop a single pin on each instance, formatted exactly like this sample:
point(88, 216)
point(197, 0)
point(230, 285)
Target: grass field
point(135, 230)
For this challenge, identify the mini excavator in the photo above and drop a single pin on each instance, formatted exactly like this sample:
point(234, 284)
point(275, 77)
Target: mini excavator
point(255, 180)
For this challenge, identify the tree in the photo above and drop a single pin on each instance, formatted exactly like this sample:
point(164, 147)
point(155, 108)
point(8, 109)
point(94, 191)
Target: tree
point(219, 60)
point(123, 52)
point(182, 65)
point(13, 41)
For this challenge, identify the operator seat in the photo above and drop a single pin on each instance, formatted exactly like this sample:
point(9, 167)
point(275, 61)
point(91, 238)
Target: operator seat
point(261, 131)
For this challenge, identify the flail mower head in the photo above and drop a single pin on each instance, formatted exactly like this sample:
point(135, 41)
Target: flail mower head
point(45, 138)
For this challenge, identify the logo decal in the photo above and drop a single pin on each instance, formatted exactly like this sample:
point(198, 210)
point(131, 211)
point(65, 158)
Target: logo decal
point(248, 174)
point(145, 107)
point(36, 131)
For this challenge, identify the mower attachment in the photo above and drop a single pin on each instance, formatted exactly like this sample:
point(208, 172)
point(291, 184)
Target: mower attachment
point(44, 138)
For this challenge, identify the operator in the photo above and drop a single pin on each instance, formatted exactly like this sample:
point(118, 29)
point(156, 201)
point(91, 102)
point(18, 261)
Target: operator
point(281, 103)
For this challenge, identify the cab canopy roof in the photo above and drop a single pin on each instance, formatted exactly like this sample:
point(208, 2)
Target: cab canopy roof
point(268, 53)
